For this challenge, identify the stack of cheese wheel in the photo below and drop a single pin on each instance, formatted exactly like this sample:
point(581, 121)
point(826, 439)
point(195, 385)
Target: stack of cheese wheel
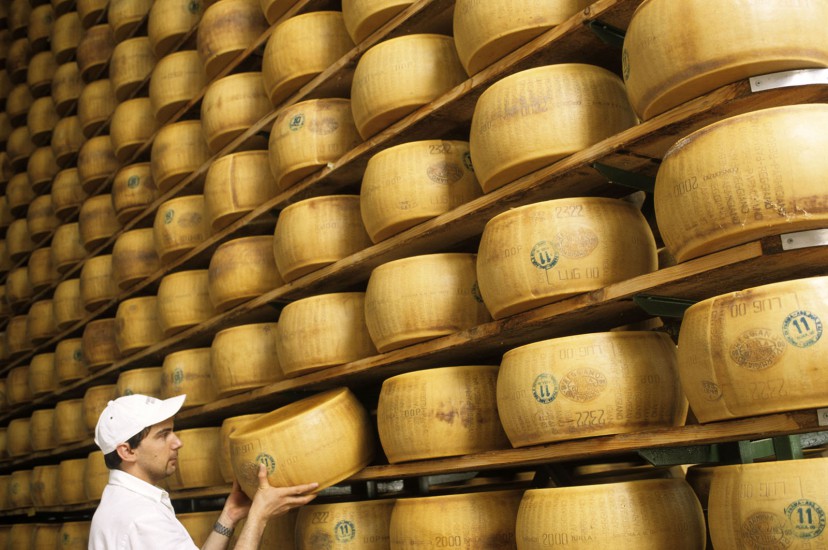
point(70, 426)
point(199, 524)
point(240, 270)
point(136, 324)
point(398, 76)
point(40, 322)
point(484, 32)
point(134, 257)
point(231, 105)
point(68, 308)
point(180, 225)
point(71, 481)
point(178, 150)
point(95, 401)
point(96, 161)
point(126, 16)
point(713, 190)
point(188, 372)
point(421, 298)
point(45, 536)
point(170, 26)
point(20, 489)
point(45, 486)
point(588, 385)
point(300, 48)
point(656, 514)
point(322, 331)
point(244, 357)
point(278, 533)
point(235, 185)
point(98, 344)
point(96, 476)
point(539, 253)
point(769, 505)
point(228, 426)
point(414, 182)
point(439, 412)
point(227, 28)
point(69, 363)
point(755, 352)
point(176, 80)
point(197, 464)
point(324, 438)
point(674, 53)
point(133, 123)
point(41, 430)
point(337, 525)
point(96, 104)
point(133, 190)
point(144, 381)
point(67, 193)
point(475, 520)
point(74, 535)
point(313, 233)
point(309, 135)
point(42, 378)
point(535, 117)
point(363, 17)
point(97, 221)
point(183, 301)
point(97, 286)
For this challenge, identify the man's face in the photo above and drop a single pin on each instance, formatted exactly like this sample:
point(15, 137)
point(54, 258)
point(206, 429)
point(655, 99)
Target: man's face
point(157, 455)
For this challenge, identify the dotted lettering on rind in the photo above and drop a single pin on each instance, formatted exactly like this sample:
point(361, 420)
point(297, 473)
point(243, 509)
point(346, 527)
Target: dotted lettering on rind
point(543, 255)
point(802, 328)
point(545, 388)
point(807, 518)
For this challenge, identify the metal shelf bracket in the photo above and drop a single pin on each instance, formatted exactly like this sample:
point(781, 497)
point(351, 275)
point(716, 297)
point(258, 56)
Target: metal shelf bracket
point(662, 306)
point(626, 178)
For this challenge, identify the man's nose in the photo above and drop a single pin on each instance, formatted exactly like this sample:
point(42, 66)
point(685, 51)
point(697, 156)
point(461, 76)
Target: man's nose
point(176, 443)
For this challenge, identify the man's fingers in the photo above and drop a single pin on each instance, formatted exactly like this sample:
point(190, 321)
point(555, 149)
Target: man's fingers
point(263, 482)
point(302, 489)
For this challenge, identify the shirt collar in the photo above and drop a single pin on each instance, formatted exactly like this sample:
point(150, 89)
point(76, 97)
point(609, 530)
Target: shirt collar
point(139, 486)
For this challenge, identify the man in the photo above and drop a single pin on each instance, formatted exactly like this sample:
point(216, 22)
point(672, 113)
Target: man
point(140, 448)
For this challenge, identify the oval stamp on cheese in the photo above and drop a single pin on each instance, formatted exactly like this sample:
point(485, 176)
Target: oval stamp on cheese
point(711, 390)
point(767, 531)
point(543, 255)
point(576, 242)
point(806, 517)
point(444, 172)
point(802, 328)
point(545, 388)
point(583, 384)
point(757, 349)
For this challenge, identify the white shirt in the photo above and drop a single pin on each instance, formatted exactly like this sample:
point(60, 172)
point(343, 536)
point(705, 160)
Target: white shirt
point(135, 515)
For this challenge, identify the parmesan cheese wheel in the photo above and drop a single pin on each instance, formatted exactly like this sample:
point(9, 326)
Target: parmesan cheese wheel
point(19, 12)
point(96, 163)
point(589, 385)
point(536, 254)
point(757, 351)
point(69, 362)
point(5, 504)
point(197, 465)
point(136, 325)
point(18, 287)
point(183, 301)
point(67, 140)
point(675, 53)
point(97, 221)
point(133, 123)
point(180, 225)
point(769, 505)
point(324, 438)
point(45, 486)
point(134, 257)
point(414, 182)
point(323, 331)
point(126, 16)
point(656, 514)
point(18, 103)
point(133, 190)
point(363, 17)
point(42, 168)
point(17, 341)
point(19, 148)
point(188, 372)
point(42, 374)
point(41, 218)
point(67, 247)
point(18, 437)
point(242, 269)
point(176, 80)
point(41, 120)
point(439, 412)
point(65, 36)
point(535, 117)
point(19, 194)
point(67, 193)
point(145, 381)
point(308, 136)
point(228, 426)
point(67, 304)
point(66, 88)
point(313, 233)
point(237, 184)
point(94, 51)
point(199, 525)
point(231, 105)
point(45, 536)
point(95, 106)
point(484, 32)
point(467, 521)
point(345, 525)
point(20, 496)
point(70, 426)
point(95, 401)
point(17, 60)
point(421, 298)
point(699, 478)
point(713, 190)
point(41, 430)
point(228, 28)
point(3, 431)
point(39, 75)
point(97, 287)
point(178, 150)
point(18, 390)
point(20, 535)
point(74, 535)
point(245, 357)
point(300, 48)
point(96, 476)
point(98, 344)
point(398, 76)
point(131, 64)
point(40, 27)
point(91, 11)
point(170, 24)
point(71, 481)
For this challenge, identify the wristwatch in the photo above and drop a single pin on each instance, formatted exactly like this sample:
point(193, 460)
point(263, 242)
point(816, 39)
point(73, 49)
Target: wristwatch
point(222, 530)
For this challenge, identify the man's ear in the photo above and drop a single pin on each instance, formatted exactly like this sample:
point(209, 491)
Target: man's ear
point(126, 452)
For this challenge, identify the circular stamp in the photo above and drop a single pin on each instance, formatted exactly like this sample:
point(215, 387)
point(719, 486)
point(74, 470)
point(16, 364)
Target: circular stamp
point(345, 531)
point(544, 255)
point(766, 531)
point(802, 328)
point(625, 64)
point(178, 376)
point(168, 216)
point(806, 517)
point(324, 127)
point(444, 172)
point(268, 461)
point(296, 122)
point(128, 391)
point(77, 355)
point(133, 182)
point(583, 384)
point(757, 349)
point(576, 242)
point(545, 388)
point(467, 161)
point(194, 6)
point(711, 390)
point(475, 291)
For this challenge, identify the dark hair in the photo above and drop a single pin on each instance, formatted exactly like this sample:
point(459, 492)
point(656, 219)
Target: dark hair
point(113, 460)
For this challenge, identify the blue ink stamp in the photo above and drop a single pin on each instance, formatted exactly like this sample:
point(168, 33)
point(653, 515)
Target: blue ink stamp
point(345, 531)
point(544, 255)
point(168, 216)
point(133, 182)
point(296, 122)
point(545, 388)
point(178, 376)
point(807, 518)
point(802, 328)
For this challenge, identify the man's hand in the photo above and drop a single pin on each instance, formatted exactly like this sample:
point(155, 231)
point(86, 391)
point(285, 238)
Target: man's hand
point(272, 501)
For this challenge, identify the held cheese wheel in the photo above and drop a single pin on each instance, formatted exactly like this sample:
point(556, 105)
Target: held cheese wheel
point(769, 505)
point(536, 254)
point(228, 426)
point(757, 351)
point(676, 51)
point(441, 412)
point(744, 178)
point(656, 514)
point(535, 117)
point(344, 525)
point(324, 438)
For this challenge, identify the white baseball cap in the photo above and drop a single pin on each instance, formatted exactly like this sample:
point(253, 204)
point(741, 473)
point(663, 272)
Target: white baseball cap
point(126, 416)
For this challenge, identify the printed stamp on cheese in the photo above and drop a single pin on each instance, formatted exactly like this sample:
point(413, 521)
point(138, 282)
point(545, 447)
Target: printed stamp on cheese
point(807, 518)
point(757, 349)
point(802, 328)
point(543, 255)
point(545, 388)
point(345, 531)
point(583, 384)
point(576, 242)
point(767, 531)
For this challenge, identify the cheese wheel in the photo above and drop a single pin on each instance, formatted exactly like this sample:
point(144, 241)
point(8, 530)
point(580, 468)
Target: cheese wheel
point(421, 298)
point(67, 247)
point(42, 378)
point(589, 385)
point(42, 273)
point(183, 301)
point(245, 357)
point(414, 182)
point(20, 496)
point(66, 88)
point(17, 60)
point(136, 325)
point(39, 75)
point(144, 381)
point(757, 351)
point(300, 48)
point(18, 103)
point(133, 124)
point(674, 53)
point(344, 525)
point(41, 430)
point(126, 16)
point(18, 437)
point(70, 426)
point(18, 390)
point(19, 148)
point(95, 401)
point(134, 257)
point(95, 105)
point(197, 465)
point(237, 184)
point(98, 344)
point(133, 190)
point(5, 504)
point(324, 438)
point(41, 169)
point(228, 28)
point(228, 426)
point(178, 150)
point(74, 535)
point(96, 476)
point(67, 193)
point(45, 536)
point(71, 481)
point(45, 486)
point(536, 254)
point(17, 340)
point(700, 478)
point(441, 412)
point(40, 217)
point(279, 531)
point(742, 179)
point(188, 372)
point(656, 514)
point(316, 232)
point(242, 269)
point(363, 17)
point(180, 226)
point(467, 521)
point(65, 310)
point(170, 23)
point(487, 31)
point(18, 288)
point(535, 117)
point(20, 534)
point(67, 139)
point(19, 195)
point(69, 363)
point(94, 51)
point(97, 222)
point(40, 27)
point(769, 505)
point(97, 287)
point(230, 106)
point(96, 163)
point(322, 331)
point(199, 525)
point(398, 76)
point(41, 120)
point(91, 11)
point(274, 10)
point(177, 79)
point(65, 36)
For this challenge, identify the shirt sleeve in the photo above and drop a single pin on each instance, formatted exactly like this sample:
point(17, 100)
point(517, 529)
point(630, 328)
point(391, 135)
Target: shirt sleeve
point(158, 535)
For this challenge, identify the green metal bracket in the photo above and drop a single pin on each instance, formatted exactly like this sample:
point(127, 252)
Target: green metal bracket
point(788, 447)
point(607, 33)
point(662, 306)
point(626, 178)
point(672, 456)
